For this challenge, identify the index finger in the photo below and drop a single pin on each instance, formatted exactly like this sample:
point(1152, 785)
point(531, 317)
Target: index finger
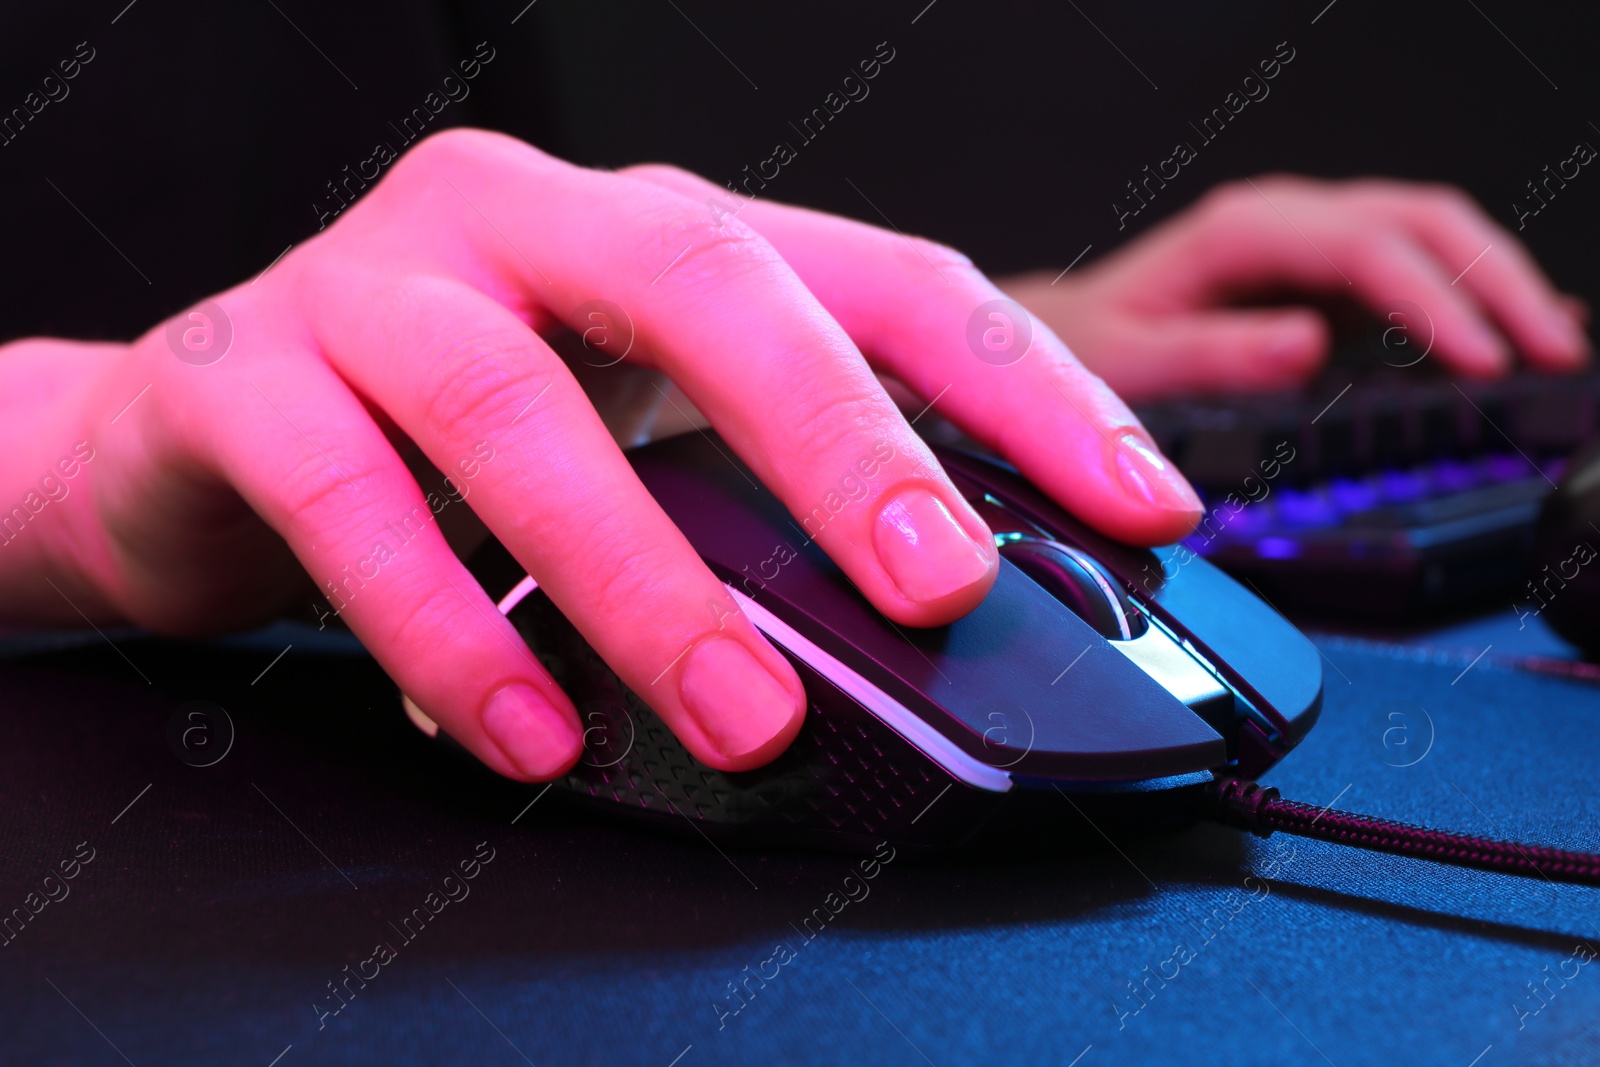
point(717, 308)
point(923, 313)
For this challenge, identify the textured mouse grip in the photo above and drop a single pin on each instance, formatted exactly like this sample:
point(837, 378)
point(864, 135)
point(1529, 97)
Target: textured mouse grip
point(847, 782)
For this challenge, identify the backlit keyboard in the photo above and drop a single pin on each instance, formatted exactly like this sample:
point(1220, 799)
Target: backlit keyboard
point(1381, 493)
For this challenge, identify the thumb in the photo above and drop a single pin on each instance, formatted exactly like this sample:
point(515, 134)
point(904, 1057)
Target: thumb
point(1231, 349)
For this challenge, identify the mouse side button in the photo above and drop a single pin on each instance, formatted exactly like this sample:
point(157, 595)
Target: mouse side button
point(1163, 659)
point(1271, 662)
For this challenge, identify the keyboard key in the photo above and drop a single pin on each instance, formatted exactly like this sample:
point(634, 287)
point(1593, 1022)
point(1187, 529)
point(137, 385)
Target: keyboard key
point(1351, 496)
point(1402, 487)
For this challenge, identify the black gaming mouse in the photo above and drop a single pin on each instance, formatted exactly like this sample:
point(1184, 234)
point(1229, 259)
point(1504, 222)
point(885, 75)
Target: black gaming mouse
point(1097, 685)
point(1563, 585)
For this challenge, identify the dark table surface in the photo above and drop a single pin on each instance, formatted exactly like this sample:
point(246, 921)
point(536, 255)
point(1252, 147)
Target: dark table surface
point(221, 900)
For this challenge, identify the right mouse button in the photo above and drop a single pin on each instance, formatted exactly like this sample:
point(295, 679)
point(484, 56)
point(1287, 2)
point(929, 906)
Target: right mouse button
point(1256, 649)
point(1067, 708)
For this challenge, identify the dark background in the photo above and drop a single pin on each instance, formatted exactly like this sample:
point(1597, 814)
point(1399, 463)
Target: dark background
point(223, 898)
point(200, 135)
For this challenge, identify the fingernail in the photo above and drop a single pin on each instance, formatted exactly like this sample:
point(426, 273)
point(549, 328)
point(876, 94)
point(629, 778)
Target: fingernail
point(537, 737)
point(736, 701)
point(927, 553)
point(1150, 478)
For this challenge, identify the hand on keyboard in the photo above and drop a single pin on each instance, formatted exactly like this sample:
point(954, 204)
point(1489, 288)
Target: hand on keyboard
point(1161, 316)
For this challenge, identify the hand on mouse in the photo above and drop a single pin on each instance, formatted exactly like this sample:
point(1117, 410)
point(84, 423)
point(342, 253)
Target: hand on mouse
point(1155, 317)
point(200, 486)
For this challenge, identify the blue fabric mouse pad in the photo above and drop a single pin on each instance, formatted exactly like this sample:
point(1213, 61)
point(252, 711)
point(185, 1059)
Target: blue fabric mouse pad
point(300, 879)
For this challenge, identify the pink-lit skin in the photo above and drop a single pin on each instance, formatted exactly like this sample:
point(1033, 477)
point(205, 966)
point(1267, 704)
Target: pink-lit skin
point(415, 326)
point(1162, 315)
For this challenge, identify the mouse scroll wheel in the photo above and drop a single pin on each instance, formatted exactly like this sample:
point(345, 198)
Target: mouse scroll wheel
point(1077, 581)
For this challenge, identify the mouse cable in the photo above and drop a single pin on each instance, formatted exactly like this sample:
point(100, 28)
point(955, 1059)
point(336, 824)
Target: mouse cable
point(1247, 806)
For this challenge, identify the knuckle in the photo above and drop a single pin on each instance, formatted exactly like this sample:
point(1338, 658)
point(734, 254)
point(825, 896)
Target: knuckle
point(481, 378)
point(1222, 215)
point(685, 247)
point(427, 620)
point(445, 151)
point(307, 275)
point(464, 147)
point(469, 158)
point(316, 493)
point(827, 420)
point(629, 574)
point(1239, 197)
point(919, 252)
point(664, 174)
point(1226, 207)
